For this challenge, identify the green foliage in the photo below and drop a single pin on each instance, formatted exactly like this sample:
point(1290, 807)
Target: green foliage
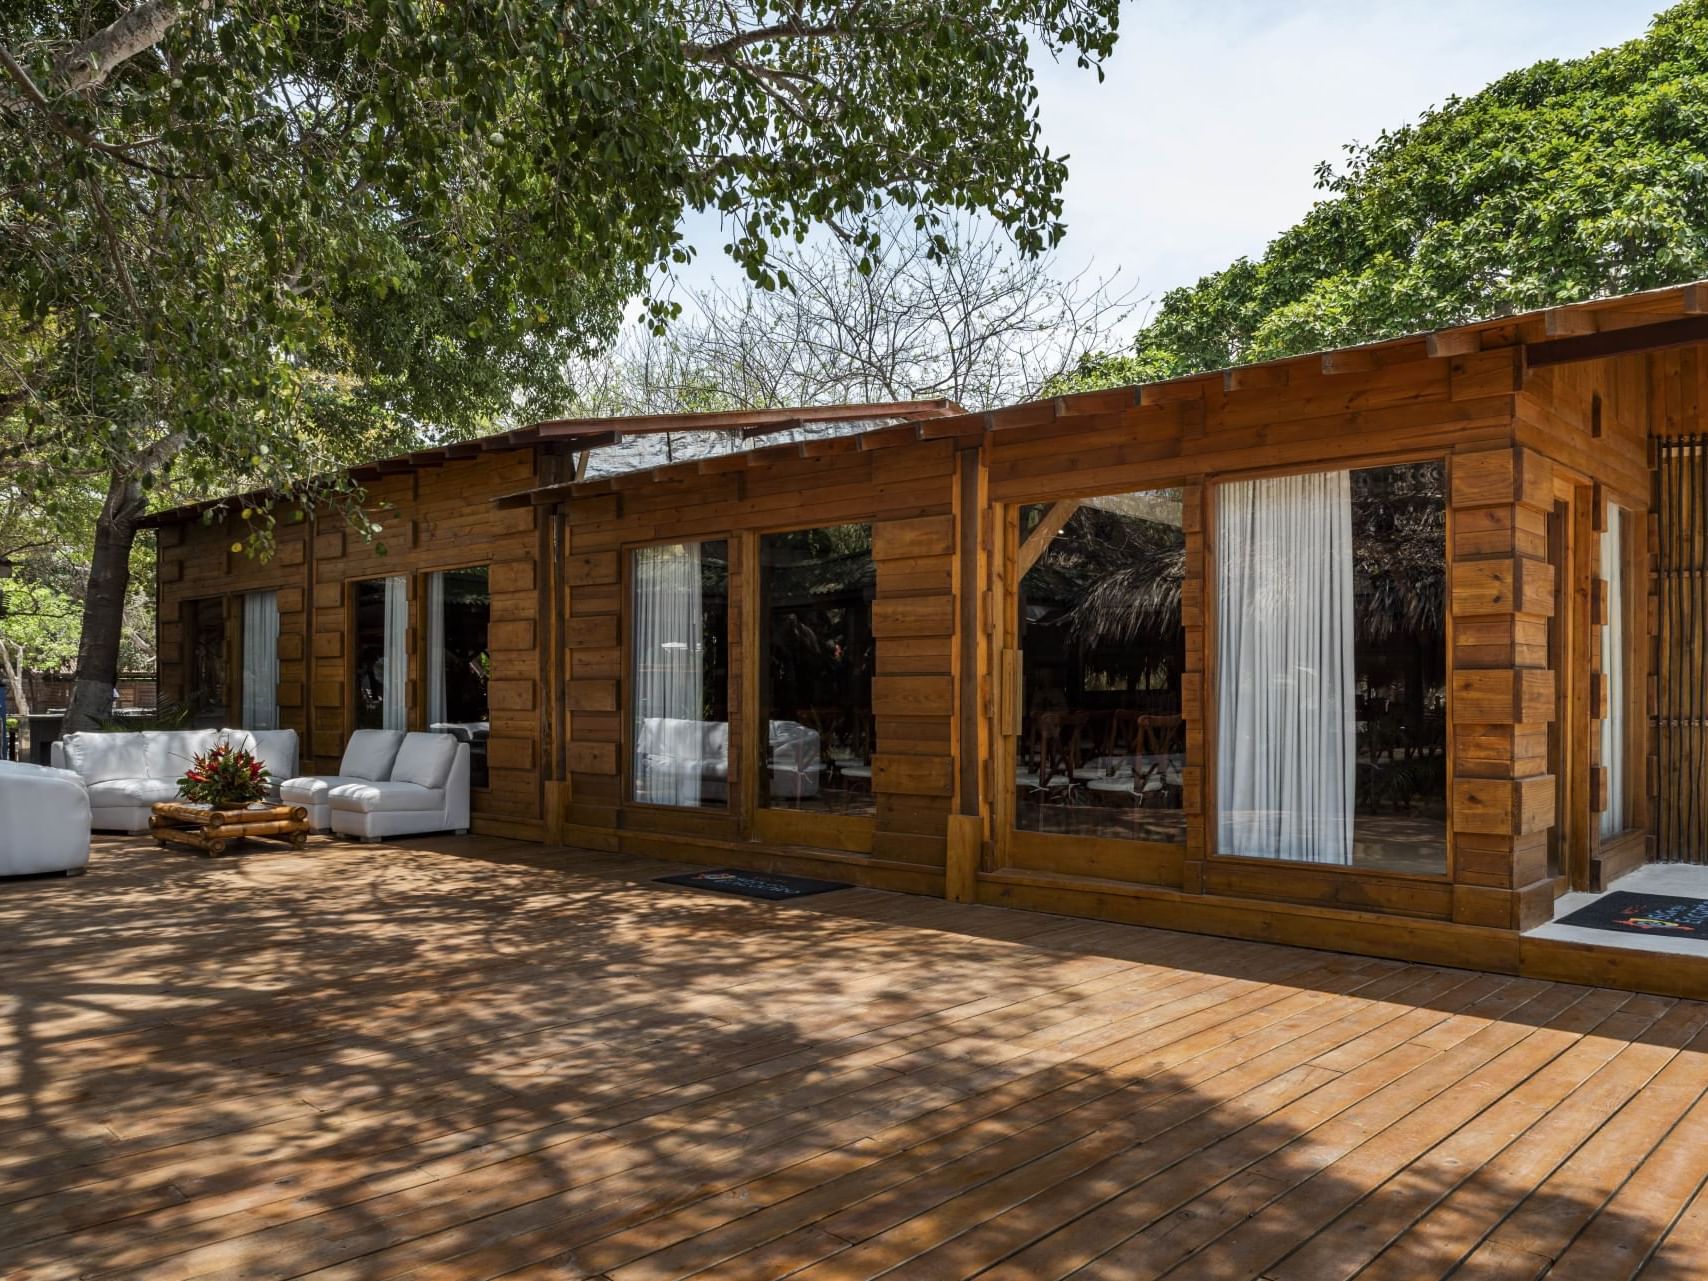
point(279, 237)
point(38, 625)
point(1564, 181)
point(243, 244)
point(224, 778)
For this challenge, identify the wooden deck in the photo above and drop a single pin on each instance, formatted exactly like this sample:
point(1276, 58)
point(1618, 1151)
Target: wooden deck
point(470, 1059)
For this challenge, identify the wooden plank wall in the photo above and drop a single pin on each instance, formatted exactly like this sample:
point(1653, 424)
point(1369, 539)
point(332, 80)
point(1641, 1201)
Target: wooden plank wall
point(1503, 691)
point(1593, 422)
point(195, 562)
point(432, 519)
point(906, 492)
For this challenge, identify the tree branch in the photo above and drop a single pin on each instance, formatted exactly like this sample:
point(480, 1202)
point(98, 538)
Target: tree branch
point(121, 40)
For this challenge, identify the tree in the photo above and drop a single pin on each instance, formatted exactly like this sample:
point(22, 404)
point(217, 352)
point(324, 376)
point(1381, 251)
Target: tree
point(954, 312)
point(233, 235)
point(36, 630)
point(1564, 181)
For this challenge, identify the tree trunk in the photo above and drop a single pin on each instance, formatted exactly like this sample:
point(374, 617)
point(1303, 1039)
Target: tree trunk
point(104, 605)
point(13, 675)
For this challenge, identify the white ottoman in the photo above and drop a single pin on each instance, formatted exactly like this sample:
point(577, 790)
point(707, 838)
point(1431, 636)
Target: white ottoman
point(44, 820)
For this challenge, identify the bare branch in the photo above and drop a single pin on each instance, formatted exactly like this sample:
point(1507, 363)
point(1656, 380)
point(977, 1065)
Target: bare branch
point(140, 29)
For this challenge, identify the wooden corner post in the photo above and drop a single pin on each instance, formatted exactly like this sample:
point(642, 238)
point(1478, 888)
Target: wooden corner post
point(1503, 689)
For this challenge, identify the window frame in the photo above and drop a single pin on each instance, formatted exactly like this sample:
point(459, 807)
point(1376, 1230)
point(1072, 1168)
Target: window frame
point(849, 833)
point(418, 599)
point(730, 809)
point(1149, 863)
point(1292, 869)
point(352, 635)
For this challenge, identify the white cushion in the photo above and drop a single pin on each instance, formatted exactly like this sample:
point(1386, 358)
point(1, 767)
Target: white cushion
point(117, 792)
point(311, 790)
point(371, 753)
point(793, 746)
point(172, 752)
point(274, 748)
point(98, 757)
point(683, 740)
point(424, 759)
point(364, 797)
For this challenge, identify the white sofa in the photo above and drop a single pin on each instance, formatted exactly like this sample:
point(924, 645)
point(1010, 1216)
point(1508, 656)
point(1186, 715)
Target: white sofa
point(669, 749)
point(44, 820)
point(390, 783)
point(128, 772)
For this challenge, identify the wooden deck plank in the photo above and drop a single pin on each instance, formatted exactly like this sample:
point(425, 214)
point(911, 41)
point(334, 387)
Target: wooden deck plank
point(466, 1059)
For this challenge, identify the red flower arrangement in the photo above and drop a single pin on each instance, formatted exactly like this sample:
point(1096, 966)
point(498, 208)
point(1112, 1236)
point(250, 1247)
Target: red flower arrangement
point(224, 778)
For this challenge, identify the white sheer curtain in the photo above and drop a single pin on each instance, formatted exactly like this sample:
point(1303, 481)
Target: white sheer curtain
point(668, 627)
point(1286, 729)
point(435, 648)
point(395, 678)
point(260, 660)
point(1613, 668)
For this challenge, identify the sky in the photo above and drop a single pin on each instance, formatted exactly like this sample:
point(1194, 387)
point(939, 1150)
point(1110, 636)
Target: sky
point(1201, 144)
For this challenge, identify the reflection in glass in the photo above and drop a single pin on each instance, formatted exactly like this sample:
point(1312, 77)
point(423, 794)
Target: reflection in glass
point(459, 613)
point(1102, 745)
point(679, 630)
point(382, 657)
point(205, 688)
point(1331, 644)
point(815, 693)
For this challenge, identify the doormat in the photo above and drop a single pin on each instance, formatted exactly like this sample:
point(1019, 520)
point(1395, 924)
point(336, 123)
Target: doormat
point(765, 885)
point(1657, 915)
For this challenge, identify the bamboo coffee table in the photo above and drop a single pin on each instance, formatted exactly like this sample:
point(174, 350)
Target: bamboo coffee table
point(198, 827)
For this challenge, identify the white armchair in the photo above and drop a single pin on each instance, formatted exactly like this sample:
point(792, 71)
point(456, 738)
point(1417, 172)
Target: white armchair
point(389, 784)
point(44, 820)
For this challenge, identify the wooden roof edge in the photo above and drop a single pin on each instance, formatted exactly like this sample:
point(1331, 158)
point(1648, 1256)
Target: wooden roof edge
point(779, 418)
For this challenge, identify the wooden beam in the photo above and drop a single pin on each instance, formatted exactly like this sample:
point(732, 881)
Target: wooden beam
point(1695, 299)
point(1617, 342)
point(1172, 392)
point(1255, 378)
point(1356, 360)
point(1453, 342)
point(1562, 322)
point(1044, 534)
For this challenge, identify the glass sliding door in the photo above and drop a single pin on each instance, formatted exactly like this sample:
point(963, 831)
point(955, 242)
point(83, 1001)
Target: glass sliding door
point(817, 658)
point(679, 674)
point(382, 653)
point(1101, 749)
point(260, 660)
point(1331, 668)
point(459, 613)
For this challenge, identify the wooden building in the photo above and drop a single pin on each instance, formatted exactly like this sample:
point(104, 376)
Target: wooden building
point(1380, 649)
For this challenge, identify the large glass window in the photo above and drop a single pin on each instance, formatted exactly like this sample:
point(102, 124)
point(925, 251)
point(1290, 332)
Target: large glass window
point(204, 643)
point(679, 665)
point(459, 612)
point(1331, 660)
point(816, 590)
point(261, 660)
point(1102, 745)
point(382, 654)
